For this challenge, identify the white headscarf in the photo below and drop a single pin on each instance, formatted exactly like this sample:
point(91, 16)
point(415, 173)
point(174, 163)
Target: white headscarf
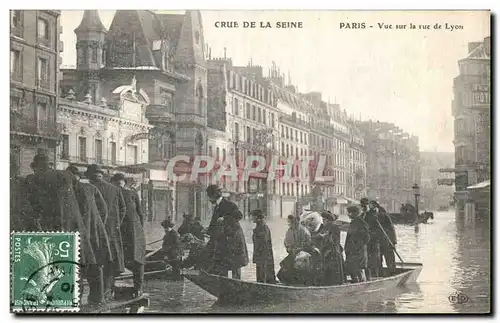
point(311, 220)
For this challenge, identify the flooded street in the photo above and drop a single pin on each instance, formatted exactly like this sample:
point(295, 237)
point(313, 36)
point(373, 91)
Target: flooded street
point(455, 257)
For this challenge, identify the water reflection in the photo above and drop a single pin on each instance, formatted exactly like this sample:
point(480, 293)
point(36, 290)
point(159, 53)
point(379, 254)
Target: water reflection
point(455, 257)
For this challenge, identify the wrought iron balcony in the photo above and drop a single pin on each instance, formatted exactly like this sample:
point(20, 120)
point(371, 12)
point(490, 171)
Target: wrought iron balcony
point(157, 111)
point(30, 126)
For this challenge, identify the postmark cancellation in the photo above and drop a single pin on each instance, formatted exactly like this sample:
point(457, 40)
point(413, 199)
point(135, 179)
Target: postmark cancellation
point(45, 272)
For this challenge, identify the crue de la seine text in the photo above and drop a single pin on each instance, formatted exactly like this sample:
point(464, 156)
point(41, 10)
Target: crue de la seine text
point(259, 24)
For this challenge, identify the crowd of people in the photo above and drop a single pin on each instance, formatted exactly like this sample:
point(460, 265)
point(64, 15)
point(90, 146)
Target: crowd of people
point(315, 254)
point(110, 220)
point(108, 217)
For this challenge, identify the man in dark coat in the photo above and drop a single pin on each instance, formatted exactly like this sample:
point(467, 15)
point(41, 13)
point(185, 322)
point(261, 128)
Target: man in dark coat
point(116, 213)
point(386, 250)
point(94, 211)
point(52, 206)
point(133, 236)
point(263, 257)
point(227, 247)
point(355, 247)
point(374, 265)
point(191, 225)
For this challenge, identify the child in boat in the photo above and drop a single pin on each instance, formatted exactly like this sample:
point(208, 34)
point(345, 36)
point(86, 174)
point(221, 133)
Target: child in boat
point(262, 249)
point(196, 247)
point(172, 248)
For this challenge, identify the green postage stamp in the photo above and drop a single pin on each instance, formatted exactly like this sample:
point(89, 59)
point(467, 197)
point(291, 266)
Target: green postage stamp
point(45, 272)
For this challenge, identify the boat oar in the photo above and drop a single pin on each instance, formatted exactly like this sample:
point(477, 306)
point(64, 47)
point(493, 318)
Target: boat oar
point(152, 253)
point(154, 242)
point(390, 242)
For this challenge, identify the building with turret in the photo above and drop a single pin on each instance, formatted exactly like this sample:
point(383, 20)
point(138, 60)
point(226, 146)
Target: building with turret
point(164, 55)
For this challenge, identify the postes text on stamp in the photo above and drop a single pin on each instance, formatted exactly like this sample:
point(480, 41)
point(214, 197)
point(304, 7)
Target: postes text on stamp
point(45, 272)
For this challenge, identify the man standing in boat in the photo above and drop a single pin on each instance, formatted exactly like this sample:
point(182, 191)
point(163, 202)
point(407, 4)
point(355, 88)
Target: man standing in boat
point(132, 230)
point(386, 249)
point(374, 265)
point(116, 212)
point(355, 247)
point(226, 248)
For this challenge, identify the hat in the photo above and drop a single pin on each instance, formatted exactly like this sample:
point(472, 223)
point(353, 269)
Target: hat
point(258, 214)
point(188, 216)
point(118, 177)
point(94, 169)
point(374, 203)
point(213, 190)
point(74, 170)
point(353, 209)
point(40, 158)
point(327, 215)
point(364, 201)
point(168, 223)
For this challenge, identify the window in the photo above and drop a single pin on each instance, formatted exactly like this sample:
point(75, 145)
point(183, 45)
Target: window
point(264, 120)
point(235, 106)
point(94, 55)
point(217, 153)
point(43, 112)
point(131, 154)
point(15, 64)
point(254, 112)
point(223, 154)
point(43, 72)
point(15, 18)
point(43, 31)
point(200, 96)
point(236, 135)
point(98, 151)
point(249, 134)
point(65, 147)
point(259, 115)
point(210, 152)
point(248, 111)
point(15, 103)
point(82, 144)
point(113, 153)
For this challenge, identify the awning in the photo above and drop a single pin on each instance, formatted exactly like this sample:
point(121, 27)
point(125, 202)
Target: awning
point(480, 185)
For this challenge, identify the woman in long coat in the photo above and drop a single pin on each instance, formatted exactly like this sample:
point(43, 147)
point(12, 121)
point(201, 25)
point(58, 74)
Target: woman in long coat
point(331, 251)
point(226, 250)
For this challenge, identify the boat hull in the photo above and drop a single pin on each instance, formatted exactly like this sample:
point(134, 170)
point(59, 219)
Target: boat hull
point(229, 290)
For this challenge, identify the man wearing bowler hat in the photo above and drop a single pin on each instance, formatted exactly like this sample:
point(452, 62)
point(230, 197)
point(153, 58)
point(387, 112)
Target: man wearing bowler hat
point(116, 213)
point(227, 247)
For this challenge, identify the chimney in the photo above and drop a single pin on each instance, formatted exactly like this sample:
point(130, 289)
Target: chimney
point(473, 46)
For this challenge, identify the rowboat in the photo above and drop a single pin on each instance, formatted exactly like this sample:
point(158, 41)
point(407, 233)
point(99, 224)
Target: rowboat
point(409, 218)
point(154, 268)
point(229, 290)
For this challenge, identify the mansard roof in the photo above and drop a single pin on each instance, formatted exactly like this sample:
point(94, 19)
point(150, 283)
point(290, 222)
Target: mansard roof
point(293, 100)
point(479, 53)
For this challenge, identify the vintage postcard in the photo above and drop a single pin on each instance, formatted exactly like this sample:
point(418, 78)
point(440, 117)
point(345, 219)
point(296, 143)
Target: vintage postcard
point(265, 161)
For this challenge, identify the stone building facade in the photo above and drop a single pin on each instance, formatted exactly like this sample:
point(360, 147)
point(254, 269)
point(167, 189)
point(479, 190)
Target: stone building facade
point(164, 53)
point(35, 48)
point(393, 163)
point(471, 109)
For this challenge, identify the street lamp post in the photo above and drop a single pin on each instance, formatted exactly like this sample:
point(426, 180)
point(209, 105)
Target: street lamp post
point(416, 192)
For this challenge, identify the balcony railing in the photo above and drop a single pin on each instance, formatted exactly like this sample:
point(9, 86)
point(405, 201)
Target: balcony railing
point(160, 111)
point(44, 41)
point(294, 119)
point(44, 128)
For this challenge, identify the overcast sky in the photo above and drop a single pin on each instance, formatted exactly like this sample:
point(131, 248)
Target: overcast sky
point(400, 76)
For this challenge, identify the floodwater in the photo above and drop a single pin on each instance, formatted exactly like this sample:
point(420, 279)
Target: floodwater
point(455, 257)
